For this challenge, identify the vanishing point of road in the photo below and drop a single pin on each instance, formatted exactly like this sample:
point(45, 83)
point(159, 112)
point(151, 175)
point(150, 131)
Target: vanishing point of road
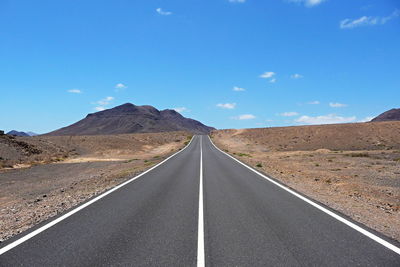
point(200, 207)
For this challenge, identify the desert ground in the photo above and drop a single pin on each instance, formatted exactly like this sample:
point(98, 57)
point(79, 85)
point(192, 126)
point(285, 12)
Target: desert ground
point(352, 168)
point(43, 176)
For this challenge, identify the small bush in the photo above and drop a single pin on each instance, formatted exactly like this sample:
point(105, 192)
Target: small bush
point(359, 155)
point(259, 165)
point(130, 160)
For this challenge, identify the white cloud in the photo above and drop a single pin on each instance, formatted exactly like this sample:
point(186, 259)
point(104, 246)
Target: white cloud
point(325, 119)
point(227, 105)
point(366, 119)
point(162, 12)
point(307, 3)
point(237, 1)
point(245, 117)
point(120, 86)
point(99, 108)
point(267, 75)
point(74, 91)
point(180, 109)
point(105, 101)
point(289, 114)
point(367, 21)
point(238, 89)
point(337, 105)
point(296, 76)
point(316, 102)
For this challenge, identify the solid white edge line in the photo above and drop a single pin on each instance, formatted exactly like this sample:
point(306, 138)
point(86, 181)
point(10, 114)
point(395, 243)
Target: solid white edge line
point(63, 217)
point(200, 229)
point(334, 215)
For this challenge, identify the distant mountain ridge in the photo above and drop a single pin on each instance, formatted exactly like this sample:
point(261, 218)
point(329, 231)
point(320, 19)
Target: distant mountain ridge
point(390, 115)
point(20, 133)
point(129, 118)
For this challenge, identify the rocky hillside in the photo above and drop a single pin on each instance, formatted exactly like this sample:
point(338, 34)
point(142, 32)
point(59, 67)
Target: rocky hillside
point(129, 118)
point(17, 133)
point(390, 115)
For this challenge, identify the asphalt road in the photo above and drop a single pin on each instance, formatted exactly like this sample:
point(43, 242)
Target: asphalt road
point(153, 221)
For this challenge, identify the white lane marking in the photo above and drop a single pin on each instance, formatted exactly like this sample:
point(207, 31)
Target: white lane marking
point(334, 215)
point(200, 229)
point(50, 224)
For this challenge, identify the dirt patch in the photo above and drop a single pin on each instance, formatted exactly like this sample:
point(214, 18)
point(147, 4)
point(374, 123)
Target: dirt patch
point(31, 195)
point(351, 136)
point(362, 184)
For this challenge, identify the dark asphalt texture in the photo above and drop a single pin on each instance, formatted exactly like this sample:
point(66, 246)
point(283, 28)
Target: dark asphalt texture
point(153, 220)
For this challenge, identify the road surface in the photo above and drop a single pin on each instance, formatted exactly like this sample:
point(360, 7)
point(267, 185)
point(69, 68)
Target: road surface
point(161, 219)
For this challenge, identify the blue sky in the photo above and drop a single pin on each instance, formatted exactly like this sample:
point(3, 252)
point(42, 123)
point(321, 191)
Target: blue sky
point(227, 63)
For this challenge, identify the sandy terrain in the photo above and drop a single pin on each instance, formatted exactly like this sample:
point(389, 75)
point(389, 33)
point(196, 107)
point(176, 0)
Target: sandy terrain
point(92, 164)
point(356, 172)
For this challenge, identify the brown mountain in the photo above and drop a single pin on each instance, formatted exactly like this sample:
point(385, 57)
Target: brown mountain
point(129, 118)
point(390, 115)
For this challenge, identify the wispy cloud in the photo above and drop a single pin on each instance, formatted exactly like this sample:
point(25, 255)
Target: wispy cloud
point(316, 102)
point(180, 109)
point(337, 105)
point(367, 21)
point(163, 12)
point(325, 119)
point(99, 108)
point(120, 87)
point(273, 80)
point(238, 89)
point(74, 91)
point(307, 3)
point(366, 119)
point(289, 114)
point(103, 103)
point(244, 117)
point(227, 105)
point(366, 7)
point(296, 76)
